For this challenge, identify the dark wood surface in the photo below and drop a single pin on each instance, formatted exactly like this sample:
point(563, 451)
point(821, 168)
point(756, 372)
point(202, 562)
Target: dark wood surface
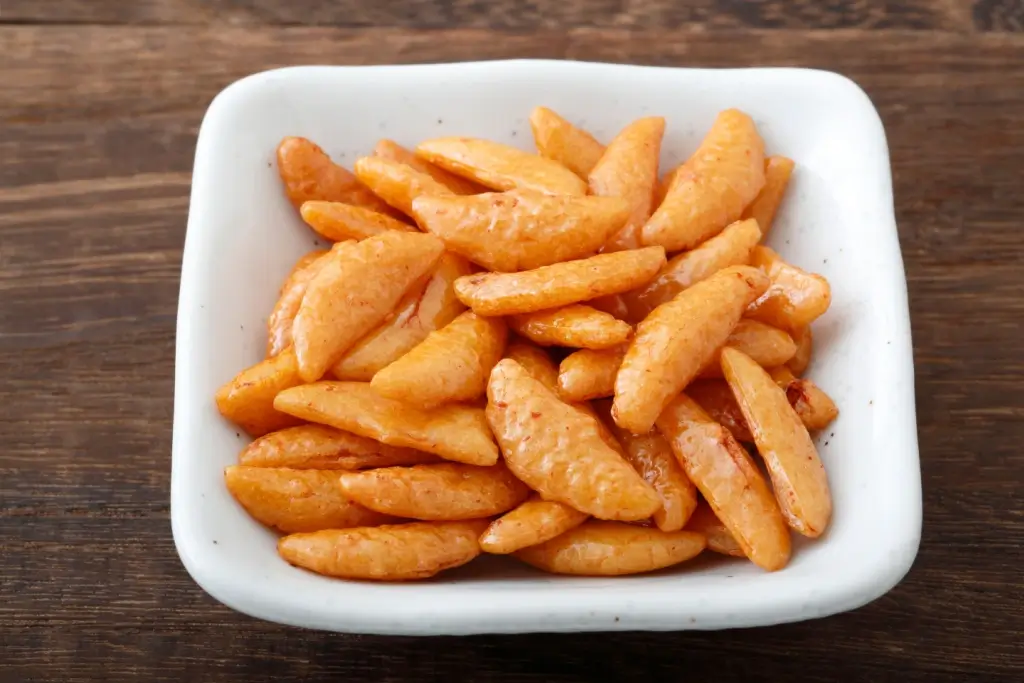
point(100, 101)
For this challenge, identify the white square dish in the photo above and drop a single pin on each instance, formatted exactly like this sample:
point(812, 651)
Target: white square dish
point(243, 237)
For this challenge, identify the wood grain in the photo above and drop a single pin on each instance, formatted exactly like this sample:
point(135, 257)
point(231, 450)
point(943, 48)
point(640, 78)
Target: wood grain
point(999, 15)
point(150, 70)
point(509, 14)
point(99, 108)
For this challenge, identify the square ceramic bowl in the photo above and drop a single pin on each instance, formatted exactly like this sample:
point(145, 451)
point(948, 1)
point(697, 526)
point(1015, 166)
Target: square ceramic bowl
point(243, 236)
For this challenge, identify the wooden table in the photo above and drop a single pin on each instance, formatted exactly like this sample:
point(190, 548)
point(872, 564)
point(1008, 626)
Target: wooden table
point(99, 105)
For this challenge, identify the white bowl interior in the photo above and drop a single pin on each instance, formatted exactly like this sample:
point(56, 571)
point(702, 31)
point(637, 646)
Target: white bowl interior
point(837, 220)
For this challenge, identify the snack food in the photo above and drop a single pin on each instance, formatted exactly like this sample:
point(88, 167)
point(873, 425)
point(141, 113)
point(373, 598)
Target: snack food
point(297, 500)
point(651, 456)
point(715, 397)
point(629, 169)
point(520, 229)
point(338, 221)
point(389, 149)
point(728, 480)
point(540, 366)
point(397, 552)
point(587, 374)
point(560, 284)
point(590, 373)
point(535, 521)
point(777, 171)
point(713, 187)
point(535, 361)
point(794, 299)
point(576, 325)
point(731, 247)
point(769, 346)
point(450, 365)
point(667, 178)
point(426, 307)
point(599, 548)
point(452, 432)
point(500, 167)
point(248, 399)
point(804, 340)
point(282, 317)
point(678, 339)
point(558, 451)
point(559, 140)
point(704, 522)
point(782, 440)
point(813, 406)
point(355, 290)
point(396, 183)
point(316, 447)
point(442, 492)
point(309, 174)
